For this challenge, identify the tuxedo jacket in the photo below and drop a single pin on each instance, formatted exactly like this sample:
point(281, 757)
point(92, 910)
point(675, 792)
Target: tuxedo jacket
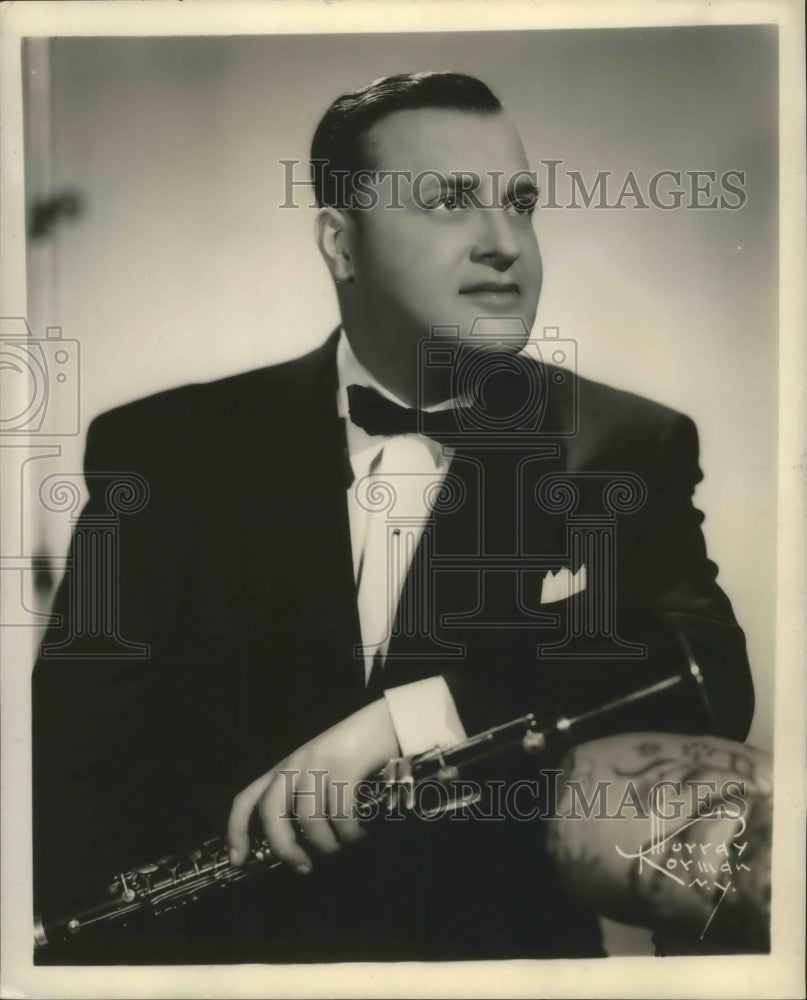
point(235, 578)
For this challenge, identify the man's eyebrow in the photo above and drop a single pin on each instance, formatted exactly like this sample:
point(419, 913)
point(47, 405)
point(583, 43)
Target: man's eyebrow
point(524, 185)
point(466, 180)
point(521, 189)
point(457, 180)
point(524, 191)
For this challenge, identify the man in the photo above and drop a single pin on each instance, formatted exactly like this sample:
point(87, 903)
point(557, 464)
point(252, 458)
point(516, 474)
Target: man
point(286, 660)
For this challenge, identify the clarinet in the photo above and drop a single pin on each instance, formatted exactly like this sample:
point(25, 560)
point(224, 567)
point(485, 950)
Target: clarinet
point(177, 881)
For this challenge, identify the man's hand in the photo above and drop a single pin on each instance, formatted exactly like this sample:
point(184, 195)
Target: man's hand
point(309, 797)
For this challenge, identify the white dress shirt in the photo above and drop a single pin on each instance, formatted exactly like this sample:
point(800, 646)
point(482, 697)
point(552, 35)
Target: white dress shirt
point(392, 475)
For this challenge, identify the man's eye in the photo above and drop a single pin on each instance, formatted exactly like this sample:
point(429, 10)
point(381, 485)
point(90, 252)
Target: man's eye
point(522, 206)
point(451, 201)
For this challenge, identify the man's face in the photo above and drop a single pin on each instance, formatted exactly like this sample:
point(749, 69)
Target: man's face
point(455, 252)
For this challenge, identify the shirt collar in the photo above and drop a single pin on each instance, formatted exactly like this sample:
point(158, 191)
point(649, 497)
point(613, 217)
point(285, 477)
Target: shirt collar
point(350, 371)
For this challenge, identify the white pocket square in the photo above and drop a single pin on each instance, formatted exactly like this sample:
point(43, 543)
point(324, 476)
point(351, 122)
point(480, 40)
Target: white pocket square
point(562, 585)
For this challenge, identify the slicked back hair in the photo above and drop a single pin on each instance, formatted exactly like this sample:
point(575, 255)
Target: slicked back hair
point(341, 147)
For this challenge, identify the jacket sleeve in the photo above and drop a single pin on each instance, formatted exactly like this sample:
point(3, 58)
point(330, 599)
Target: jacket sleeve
point(109, 751)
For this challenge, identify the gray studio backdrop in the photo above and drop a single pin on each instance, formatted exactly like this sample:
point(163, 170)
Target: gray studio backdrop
point(180, 265)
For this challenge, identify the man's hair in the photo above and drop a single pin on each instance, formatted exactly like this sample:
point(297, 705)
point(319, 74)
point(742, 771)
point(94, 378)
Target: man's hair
point(341, 147)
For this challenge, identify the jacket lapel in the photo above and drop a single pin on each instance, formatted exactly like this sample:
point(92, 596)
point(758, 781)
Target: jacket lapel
point(301, 590)
point(478, 570)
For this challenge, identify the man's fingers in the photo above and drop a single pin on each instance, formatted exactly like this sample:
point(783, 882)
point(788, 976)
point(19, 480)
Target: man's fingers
point(342, 806)
point(311, 810)
point(275, 809)
point(238, 822)
point(353, 748)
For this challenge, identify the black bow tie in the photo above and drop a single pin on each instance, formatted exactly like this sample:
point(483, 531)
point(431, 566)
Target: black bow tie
point(509, 400)
point(378, 415)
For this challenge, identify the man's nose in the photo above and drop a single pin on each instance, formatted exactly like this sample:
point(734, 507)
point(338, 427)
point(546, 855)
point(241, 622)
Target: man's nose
point(495, 242)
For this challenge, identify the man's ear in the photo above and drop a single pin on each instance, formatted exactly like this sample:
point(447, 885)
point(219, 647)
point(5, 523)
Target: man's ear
point(334, 234)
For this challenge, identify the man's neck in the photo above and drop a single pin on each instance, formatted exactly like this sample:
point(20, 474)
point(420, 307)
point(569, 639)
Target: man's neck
point(353, 371)
point(352, 368)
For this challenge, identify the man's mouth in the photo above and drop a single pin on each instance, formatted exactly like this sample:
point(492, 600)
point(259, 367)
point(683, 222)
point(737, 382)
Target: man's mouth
point(493, 292)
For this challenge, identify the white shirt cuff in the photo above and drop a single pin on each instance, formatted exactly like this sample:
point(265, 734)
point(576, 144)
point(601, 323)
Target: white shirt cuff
point(424, 715)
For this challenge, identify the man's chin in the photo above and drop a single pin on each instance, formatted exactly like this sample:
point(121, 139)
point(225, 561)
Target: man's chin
point(508, 347)
point(508, 334)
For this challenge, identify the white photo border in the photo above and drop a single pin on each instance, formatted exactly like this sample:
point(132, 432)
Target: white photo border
point(779, 974)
